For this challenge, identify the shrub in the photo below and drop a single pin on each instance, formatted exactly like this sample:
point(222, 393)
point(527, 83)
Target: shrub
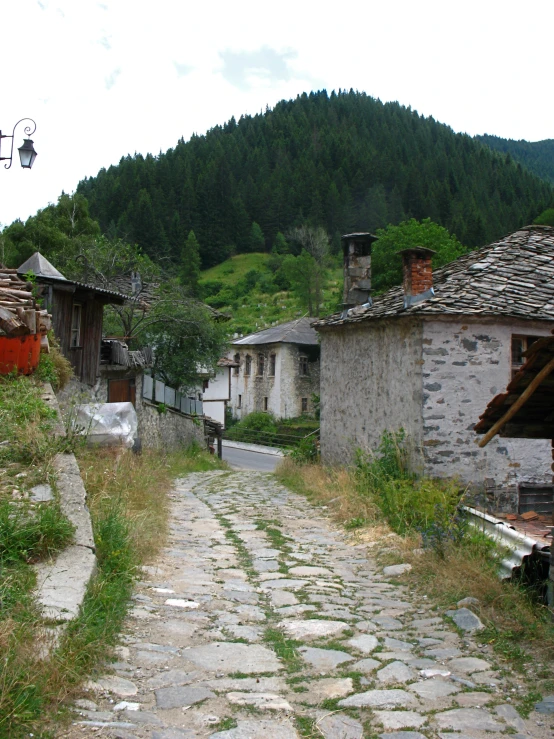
point(408, 503)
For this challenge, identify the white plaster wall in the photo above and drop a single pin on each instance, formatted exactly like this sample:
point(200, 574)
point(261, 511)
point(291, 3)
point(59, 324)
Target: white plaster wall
point(218, 386)
point(370, 383)
point(215, 409)
point(465, 365)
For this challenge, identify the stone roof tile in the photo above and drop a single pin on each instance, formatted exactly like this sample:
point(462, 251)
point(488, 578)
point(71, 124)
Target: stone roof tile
point(511, 277)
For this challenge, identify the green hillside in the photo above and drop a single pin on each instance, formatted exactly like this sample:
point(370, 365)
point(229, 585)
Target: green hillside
point(343, 161)
point(238, 287)
point(536, 156)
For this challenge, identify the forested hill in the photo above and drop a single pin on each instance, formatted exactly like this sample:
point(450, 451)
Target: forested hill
point(537, 156)
point(344, 161)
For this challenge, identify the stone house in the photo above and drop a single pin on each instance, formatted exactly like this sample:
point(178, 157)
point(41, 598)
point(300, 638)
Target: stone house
point(276, 370)
point(428, 357)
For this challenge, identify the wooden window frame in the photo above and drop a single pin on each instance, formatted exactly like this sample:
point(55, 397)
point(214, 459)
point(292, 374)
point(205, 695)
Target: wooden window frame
point(526, 342)
point(76, 310)
point(237, 368)
point(303, 366)
point(261, 365)
point(304, 404)
point(272, 364)
point(247, 365)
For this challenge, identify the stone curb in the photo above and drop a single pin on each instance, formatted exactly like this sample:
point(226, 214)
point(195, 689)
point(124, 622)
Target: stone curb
point(62, 582)
point(253, 448)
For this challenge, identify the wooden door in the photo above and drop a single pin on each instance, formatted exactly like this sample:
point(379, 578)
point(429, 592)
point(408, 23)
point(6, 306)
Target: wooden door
point(121, 391)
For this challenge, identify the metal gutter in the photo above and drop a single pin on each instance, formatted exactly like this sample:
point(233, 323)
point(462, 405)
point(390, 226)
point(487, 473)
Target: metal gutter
point(522, 547)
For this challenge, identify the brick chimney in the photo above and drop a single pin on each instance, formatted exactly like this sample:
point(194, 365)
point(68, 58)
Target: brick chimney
point(417, 274)
point(356, 249)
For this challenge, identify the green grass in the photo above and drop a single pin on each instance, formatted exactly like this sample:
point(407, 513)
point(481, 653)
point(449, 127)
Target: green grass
point(286, 649)
point(31, 533)
point(230, 271)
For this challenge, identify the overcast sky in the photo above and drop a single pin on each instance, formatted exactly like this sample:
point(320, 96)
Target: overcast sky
point(105, 79)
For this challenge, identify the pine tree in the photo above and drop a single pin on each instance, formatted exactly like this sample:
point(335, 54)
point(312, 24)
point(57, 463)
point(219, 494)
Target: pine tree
point(189, 268)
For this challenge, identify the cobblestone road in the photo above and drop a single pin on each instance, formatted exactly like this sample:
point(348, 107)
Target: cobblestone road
point(249, 567)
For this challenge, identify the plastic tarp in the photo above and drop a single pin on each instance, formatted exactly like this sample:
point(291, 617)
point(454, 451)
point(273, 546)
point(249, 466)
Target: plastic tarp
point(107, 424)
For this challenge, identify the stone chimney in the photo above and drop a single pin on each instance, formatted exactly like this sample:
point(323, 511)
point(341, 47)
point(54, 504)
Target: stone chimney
point(417, 275)
point(357, 268)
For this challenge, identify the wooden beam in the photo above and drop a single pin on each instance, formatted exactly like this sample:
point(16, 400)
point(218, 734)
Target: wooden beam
point(523, 398)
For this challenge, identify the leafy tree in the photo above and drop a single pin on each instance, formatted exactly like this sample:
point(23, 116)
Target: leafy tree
point(189, 268)
point(386, 267)
point(307, 272)
point(546, 218)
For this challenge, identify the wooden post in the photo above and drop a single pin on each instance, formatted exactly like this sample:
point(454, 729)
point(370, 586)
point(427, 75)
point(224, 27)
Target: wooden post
point(523, 398)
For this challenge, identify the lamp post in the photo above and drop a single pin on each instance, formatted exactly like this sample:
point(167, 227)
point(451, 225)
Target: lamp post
point(27, 153)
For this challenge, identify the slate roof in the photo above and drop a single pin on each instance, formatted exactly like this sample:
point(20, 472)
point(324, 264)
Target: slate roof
point(293, 332)
point(511, 277)
point(44, 270)
point(535, 419)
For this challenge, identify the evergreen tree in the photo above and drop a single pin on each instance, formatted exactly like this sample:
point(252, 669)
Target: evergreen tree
point(189, 267)
point(257, 240)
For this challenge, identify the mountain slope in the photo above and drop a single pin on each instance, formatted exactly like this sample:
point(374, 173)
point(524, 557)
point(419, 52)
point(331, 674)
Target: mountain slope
point(537, 156)
point(343, 161)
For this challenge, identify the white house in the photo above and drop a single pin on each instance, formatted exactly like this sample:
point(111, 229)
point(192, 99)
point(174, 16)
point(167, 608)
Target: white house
point(276, 370)
point(215, 391)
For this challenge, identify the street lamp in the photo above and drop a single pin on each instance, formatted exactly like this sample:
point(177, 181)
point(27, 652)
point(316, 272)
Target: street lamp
point(27, 153)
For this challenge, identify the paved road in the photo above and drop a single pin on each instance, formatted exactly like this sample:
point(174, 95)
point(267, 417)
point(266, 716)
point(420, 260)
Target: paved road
point(248, 567)
point(247, 460)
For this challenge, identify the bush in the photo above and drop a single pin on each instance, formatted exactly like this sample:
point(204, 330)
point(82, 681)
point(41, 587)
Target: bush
point(408, 503)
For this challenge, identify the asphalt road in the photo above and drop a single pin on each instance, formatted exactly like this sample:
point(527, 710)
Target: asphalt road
point(247, 460)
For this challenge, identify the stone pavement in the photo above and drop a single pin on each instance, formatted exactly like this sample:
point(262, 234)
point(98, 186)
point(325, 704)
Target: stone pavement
point(260, 621)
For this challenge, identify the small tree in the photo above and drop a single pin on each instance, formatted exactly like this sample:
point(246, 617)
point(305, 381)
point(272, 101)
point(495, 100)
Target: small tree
point(307, 272)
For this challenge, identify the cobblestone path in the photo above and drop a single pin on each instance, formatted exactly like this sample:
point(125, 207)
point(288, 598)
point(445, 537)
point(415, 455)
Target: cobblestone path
point(260, 621)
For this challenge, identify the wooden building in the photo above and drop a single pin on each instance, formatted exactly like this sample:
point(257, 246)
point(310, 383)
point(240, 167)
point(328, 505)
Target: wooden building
point(77, 312)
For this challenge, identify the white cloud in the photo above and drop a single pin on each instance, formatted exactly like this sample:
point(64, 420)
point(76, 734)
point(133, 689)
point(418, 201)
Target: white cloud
point(104, 79)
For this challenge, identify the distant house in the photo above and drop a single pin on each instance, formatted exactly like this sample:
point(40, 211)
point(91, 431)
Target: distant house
point(77, 312)
point(429, 356)
point(276, 370)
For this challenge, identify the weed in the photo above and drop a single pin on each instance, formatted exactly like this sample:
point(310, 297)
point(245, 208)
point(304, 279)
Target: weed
point(30, 534)
point(307, 727)
point(527, 703)
point(226, 723)
point(284, 648)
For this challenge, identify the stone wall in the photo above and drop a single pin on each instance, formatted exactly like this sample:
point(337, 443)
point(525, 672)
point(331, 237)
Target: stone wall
point(370, 383)
point(465, 365)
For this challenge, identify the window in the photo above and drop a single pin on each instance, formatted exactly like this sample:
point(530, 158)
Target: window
point(205, 385)
point(265, 403)
point(76, 325)
point(304, 405)
point(520, 344)
point(247, 364)
point(261, 364)
point(239, 402)
point(237, 360)
point(303, 365)
point(272, 365)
